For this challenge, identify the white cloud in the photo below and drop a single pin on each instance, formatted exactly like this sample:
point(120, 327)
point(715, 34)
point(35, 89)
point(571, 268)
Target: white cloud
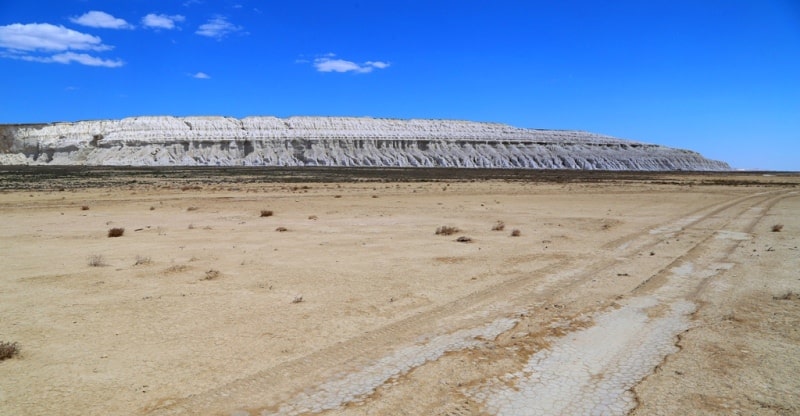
point(99, 19)
point(28, 42)
point(47, 37)
point(329, 64)
point(161, 21)
point(217, 28)
point(201, 75)
point(69, 57)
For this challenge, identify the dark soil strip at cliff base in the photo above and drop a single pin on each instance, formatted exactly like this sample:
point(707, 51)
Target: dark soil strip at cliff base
point(75, 177)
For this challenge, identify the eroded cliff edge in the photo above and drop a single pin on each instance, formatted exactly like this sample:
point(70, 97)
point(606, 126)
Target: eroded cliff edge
point(330, 141)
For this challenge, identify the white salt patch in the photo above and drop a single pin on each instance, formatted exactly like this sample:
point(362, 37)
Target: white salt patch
point(356, 386)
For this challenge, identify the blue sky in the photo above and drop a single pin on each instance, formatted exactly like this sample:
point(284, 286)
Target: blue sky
point(721, 77)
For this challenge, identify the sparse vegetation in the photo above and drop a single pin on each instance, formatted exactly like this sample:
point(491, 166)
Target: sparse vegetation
point(446, 230)
point(777, 228)
point(211, 275)
point(85, 208)
point(516, 233)
point(97, 260)
point(266, 213)
point(142, 260)
point(8, 350)
point(281, 229)
point(787, 296)
point(297, 299)
point(191, 209)
point(313, 217)
point(152, 208)
point(116, 232)
point(464, 239)
point(499, 226)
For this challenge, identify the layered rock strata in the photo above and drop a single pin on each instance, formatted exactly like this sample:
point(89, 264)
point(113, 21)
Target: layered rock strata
point(330, 141)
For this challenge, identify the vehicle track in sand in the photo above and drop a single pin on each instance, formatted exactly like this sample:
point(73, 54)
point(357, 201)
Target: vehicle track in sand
point(593, 370)
point(332, 377)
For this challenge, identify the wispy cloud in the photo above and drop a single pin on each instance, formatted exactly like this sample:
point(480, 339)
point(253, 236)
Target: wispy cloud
point(47, 37)
point(36, 41)
point(329, 63)
point(218, 28)
point(69, 57)
point(162, 21)
point(201, 75)
point(102, 20)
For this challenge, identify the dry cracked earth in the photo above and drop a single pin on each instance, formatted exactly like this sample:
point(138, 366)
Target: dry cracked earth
point(657, 294)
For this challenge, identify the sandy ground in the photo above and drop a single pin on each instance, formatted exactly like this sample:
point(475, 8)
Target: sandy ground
point(644, 297)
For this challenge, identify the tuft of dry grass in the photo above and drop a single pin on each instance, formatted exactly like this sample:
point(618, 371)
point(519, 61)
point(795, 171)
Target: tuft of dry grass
point(313, 217)
point(777, 228)
point(191, 209)
point(8, 350)
point(281, 229)
point(499, 226)
point(266, 213)
point(116, 232)
point(96, 260)
point(464, 239)
point(446, 230)
point(142, 260)
point(516, 233)
point(211, 275)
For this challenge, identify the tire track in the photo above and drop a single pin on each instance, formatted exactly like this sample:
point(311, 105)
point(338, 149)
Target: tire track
point(279, 384)
point(593, 371)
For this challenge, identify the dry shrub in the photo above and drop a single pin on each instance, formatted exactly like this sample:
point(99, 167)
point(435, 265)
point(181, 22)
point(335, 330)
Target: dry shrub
point(97, 260)
point(516, 233)
point(191, 209)
point(211, 275)
point(281, 229)
point(787, 296)
point(116, 232)
point(446, 230)
point(85, 208)
point(313, 217)
point(464, 239)
point(152, 208)
point(297, 299)
point(777, 228)
point(266, 213)
point(141, 260)
point(8, 350)
point(499, 226)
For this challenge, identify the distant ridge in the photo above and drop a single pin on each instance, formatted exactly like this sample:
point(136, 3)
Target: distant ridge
point(330, 141)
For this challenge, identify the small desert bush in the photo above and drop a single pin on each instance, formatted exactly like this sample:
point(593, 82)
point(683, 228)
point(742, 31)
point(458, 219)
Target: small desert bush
point(499, 226)
point(777, 228)
point(446, 230)
point(85, 208)
point(142, 260)
point(281, 229)
point(313, 217)
point(191, 209)
point(266, 213)
point(464, 239)
point(8, 350)
point(516, 233)
point(96, 260)
point(211, 274)
point(297, 299)
point(116, 232)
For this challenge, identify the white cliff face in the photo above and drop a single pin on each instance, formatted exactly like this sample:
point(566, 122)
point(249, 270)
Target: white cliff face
point(330, 141)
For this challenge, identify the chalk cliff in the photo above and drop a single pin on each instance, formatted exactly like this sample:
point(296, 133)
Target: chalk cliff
point(330, 141)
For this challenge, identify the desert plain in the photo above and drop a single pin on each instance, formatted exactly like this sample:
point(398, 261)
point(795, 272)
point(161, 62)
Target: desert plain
point(269, 291)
